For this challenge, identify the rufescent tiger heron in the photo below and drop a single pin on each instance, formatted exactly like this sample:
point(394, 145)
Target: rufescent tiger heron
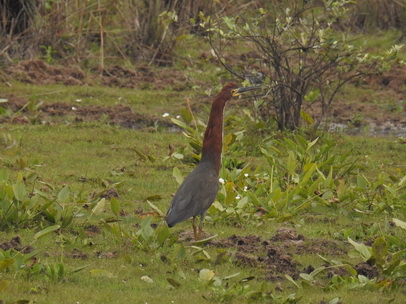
point(199, 190)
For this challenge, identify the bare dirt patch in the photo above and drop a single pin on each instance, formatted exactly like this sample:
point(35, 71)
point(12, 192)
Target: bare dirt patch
point(384, 110)
point(143, 77)
point(253, 251)
point(276, 255)
point(77, 254)
point(48, 112)
point(16, 244)
point(38, 72)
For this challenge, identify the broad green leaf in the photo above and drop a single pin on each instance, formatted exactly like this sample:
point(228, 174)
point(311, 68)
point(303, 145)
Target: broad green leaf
point(177, 175)
point(206, 275)
point(399, 223)
point(317, 271)
point(181, 253)
point(186, 115)
point(115, 206)
point(290, 279)
point(380, 250)
point(99, 207)
point(307, 277)
point(334, 301)
point(163, 234)
point(361, 248)
point(19, 190)
point(308, 174)
point(156, 209)
point(311, 144)
point(63, 195)
point(206, 240)
point(182, 125)
point(291, 163)
point(306, 117)
point(46, 231)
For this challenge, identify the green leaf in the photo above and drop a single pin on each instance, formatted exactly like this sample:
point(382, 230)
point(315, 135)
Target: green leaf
point(290, 279)
point(399, 223)
point(361, 248)
point(317, 271)
point(308, 174)
point(46, 231)
point(206, 275)
point(115, 206)
point(380, 250)
point(203, 241)
point(186, 115)
point(291, 163)
point(232, 276)
point(177, 175)
point(306, 117)
point(307, 277)
point(156, 209)
point(99, 207)
point(19, 190)
point(181, 253)
point(163, 235)
point(63, 195)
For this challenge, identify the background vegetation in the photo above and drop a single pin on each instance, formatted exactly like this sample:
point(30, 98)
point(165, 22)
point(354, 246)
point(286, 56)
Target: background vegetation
point(102, 109)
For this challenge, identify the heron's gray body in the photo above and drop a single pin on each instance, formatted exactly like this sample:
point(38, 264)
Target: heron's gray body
point(195, 195)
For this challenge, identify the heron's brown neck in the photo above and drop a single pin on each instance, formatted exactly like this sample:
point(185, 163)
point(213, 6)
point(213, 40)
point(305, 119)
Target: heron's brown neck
point(213, 137)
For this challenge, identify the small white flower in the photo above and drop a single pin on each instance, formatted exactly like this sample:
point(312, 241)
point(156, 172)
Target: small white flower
point(165, 115)
point(177, 116)
point(246, 174)
point(238, 197)
point(245, 188)
point(78, 100)
point(74, 109)
point(221, 180)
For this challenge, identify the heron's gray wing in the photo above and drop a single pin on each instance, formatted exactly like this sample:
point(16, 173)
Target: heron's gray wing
point(194, 196)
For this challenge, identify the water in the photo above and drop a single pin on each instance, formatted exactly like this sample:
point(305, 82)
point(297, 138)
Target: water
point(387, 129)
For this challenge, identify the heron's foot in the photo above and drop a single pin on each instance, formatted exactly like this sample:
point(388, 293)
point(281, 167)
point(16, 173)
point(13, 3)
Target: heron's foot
point(196, 233)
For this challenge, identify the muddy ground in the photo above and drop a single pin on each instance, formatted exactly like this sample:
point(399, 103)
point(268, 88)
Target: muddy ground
point(274, 257)
point(356, 113)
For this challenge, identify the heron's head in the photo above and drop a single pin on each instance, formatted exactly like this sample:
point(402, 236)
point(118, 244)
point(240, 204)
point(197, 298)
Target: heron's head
point(231, 90)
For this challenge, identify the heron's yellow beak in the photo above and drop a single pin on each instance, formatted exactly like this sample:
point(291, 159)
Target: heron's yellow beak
point(237, 92)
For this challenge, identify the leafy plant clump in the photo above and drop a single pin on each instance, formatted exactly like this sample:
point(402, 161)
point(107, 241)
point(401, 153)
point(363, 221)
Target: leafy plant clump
point(300, 59)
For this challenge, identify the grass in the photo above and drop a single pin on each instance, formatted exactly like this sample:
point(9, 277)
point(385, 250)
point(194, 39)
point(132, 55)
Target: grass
point(92, 157)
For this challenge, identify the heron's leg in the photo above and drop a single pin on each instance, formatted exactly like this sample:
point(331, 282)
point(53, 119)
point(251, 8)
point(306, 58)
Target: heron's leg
point(195, 229)
point(201, 224)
